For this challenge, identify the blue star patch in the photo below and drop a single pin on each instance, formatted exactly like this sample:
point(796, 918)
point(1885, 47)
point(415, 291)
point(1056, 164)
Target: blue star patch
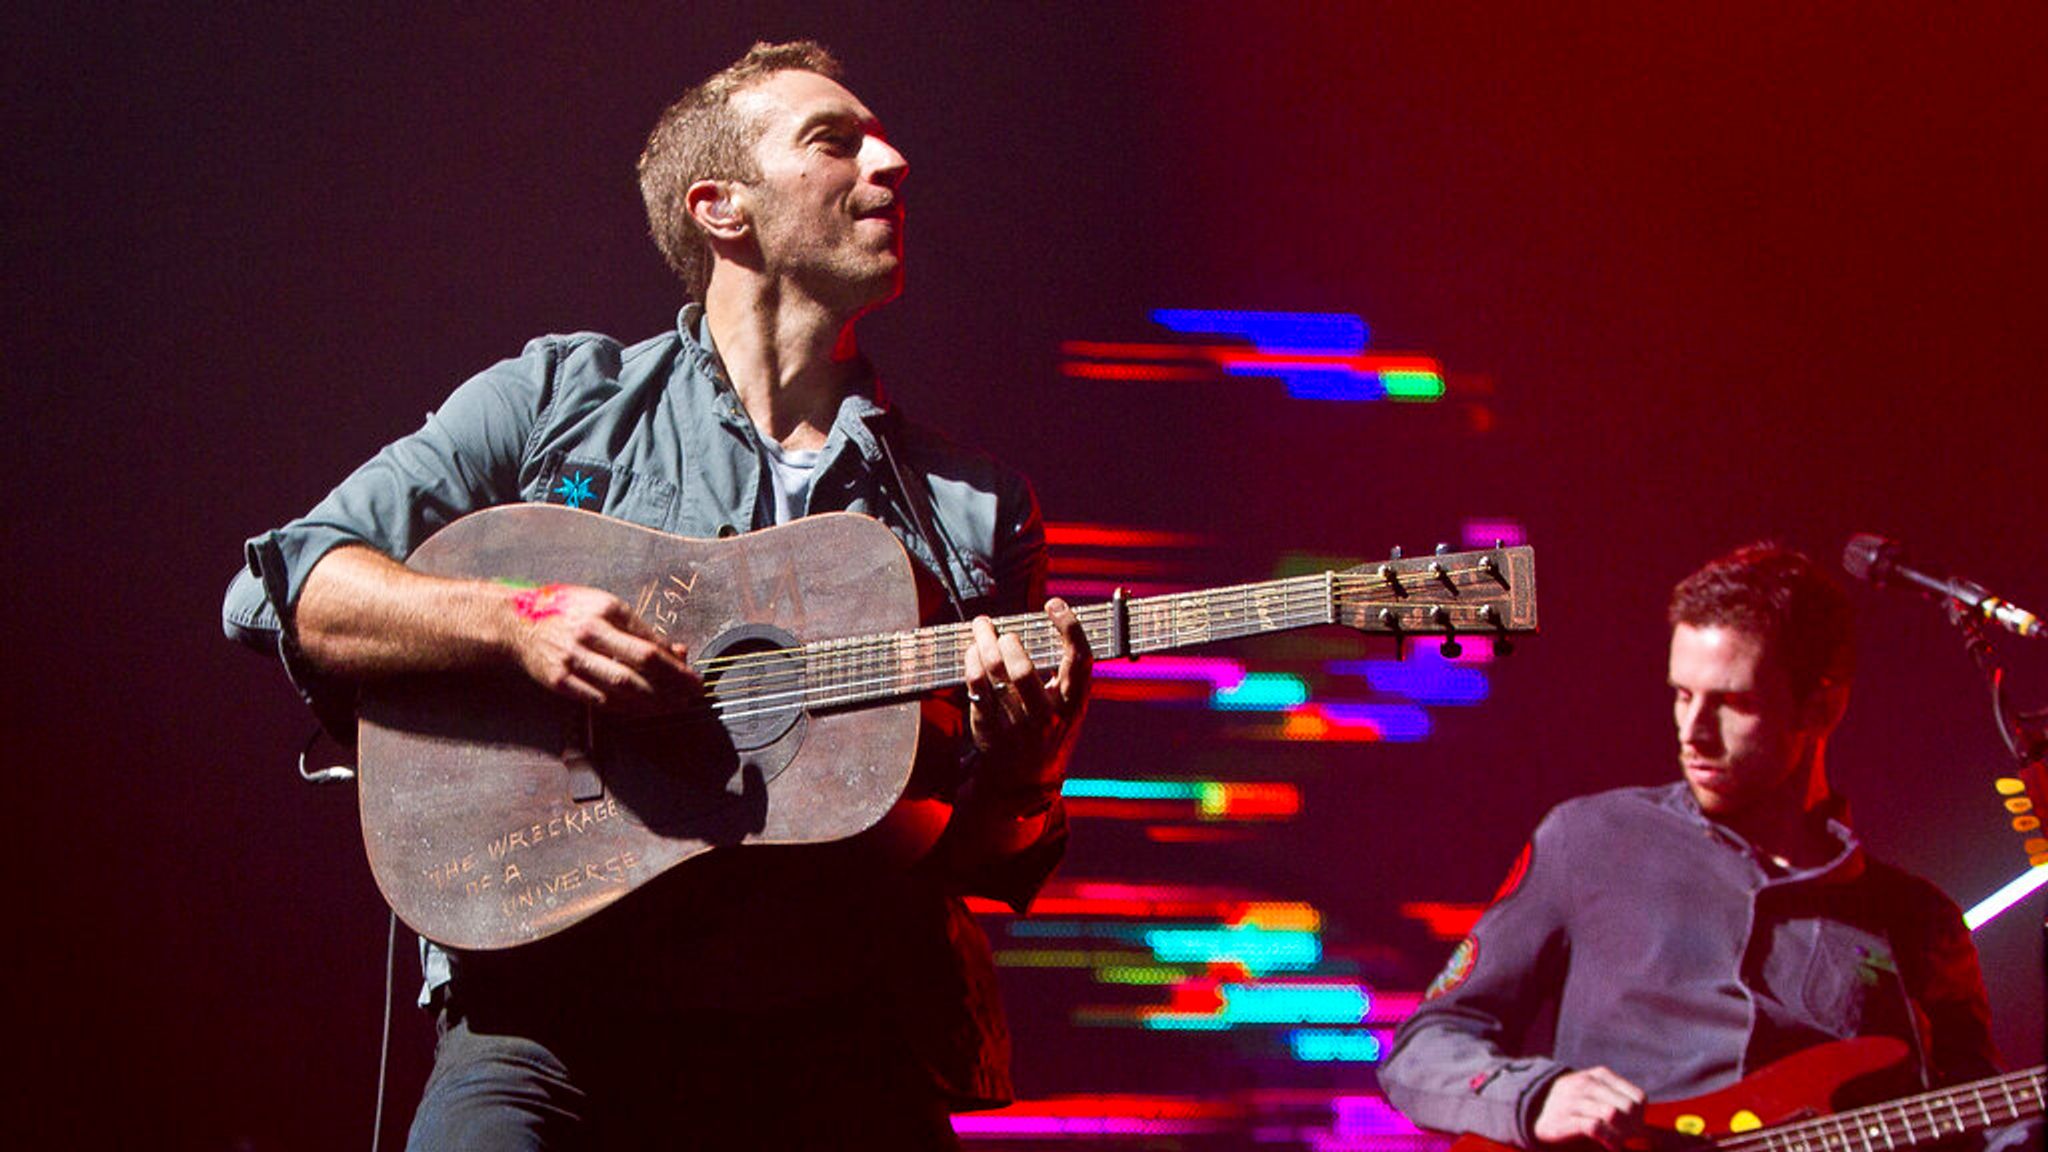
point(580, 486)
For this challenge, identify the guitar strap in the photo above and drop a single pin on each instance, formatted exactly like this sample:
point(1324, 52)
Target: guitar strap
point(915, 499)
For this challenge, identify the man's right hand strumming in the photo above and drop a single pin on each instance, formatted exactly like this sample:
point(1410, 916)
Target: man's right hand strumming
point(363, 615)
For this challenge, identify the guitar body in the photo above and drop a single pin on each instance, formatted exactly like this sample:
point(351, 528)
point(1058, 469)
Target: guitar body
point(1816, 1082)
point(495, 813)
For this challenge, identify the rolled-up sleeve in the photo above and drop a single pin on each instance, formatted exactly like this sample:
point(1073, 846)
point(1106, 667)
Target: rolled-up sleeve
point(466, 456)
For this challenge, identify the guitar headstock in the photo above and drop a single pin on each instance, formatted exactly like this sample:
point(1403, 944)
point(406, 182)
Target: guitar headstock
point(1490, 592)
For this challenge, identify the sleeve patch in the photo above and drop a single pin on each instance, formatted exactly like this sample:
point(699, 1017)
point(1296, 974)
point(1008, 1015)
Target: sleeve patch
point(1456, 971)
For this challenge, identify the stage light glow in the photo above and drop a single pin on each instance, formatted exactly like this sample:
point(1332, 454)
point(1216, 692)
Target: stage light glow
point(1481, 533)
point(1412, 386)
point(1262, 692)
point(1074, 534)
point(1366, 1116)
point(1249, 801)
point(1243, 1004)
point(1336, 1045)
point(1423, 681)
point(2020, 887)
point(1443, 919)
point(1221, 674)
point(1106, 1114)
point(1392, 721)
point(1140, 974)
point(1316, 355)
point(1303, 331)
point(1259, 950)
point(1105, 789)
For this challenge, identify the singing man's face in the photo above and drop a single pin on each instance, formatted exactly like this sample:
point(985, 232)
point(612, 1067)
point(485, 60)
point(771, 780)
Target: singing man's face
point(827, 212)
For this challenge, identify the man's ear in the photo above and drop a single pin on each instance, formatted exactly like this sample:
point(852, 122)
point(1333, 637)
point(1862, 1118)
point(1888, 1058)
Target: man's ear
point(715, 206)
point(1823, 707)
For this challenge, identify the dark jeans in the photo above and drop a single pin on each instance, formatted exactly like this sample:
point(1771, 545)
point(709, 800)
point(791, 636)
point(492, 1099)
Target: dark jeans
point(582, 1074)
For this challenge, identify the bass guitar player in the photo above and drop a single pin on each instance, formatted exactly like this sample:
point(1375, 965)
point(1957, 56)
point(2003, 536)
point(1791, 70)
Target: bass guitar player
point(1673, 941)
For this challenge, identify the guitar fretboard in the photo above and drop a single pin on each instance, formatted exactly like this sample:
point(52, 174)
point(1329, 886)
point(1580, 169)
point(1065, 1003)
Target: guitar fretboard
point(907, 663)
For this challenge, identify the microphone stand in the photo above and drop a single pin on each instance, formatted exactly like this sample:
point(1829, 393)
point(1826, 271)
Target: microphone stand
point(2025, 733)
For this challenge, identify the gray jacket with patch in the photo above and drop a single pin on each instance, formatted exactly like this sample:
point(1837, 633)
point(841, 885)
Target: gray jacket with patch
point(1657, 943)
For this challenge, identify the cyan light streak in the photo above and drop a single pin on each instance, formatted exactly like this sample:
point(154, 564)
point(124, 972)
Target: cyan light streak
point(1262, 692)
point(1335, 1046)
point(1097, 788)
point(1270, 1004)
point(1257, 950)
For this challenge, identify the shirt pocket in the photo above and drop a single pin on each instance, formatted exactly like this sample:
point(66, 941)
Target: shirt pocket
point(1850, 970)
point(595, 485)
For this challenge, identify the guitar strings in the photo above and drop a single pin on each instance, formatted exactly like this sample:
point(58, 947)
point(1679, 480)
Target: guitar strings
point(870, 666)
point(1461, 577)
point(777, 667)
point(760, 683)
point(1839, 1125)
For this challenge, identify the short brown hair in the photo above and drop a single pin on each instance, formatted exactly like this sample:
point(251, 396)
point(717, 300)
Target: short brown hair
point(698, 138)
point(1802, 615)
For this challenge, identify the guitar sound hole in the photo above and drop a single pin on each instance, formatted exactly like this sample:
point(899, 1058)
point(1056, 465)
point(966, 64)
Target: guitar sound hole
point(706, 777)
point(756, 681)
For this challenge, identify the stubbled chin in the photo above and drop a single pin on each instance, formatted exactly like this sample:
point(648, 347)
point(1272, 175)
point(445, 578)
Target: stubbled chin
point(1708, 788)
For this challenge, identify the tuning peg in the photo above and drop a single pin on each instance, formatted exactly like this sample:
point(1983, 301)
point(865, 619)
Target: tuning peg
point(1392, 578)
point(1441, 618)
point(1394, 553)
point(1392, 623)
point(1502, 644)
point(1443, 549)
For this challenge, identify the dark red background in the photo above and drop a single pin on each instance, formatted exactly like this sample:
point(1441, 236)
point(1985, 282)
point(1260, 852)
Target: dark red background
point(1733, 274)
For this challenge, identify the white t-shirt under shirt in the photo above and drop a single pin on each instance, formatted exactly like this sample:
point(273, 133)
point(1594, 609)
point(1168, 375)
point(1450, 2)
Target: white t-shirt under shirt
point(793, 470)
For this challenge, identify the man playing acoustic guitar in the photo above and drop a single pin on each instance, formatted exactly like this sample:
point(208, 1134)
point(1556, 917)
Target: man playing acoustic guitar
point(773, 997)
point(1681, 937)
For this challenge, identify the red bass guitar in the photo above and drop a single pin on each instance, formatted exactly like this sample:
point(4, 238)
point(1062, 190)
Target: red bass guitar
point(1794, 1105)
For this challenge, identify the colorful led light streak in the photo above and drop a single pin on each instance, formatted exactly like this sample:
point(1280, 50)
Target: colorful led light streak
point(1210, 799)
point(1443, 919)
point(1107, 1114)
point(1317, 355)
point(1337, 1045)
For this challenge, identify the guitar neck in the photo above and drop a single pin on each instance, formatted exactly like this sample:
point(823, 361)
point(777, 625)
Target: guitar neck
point(866, 668)
point(1490, 592)
point(1942, 1114)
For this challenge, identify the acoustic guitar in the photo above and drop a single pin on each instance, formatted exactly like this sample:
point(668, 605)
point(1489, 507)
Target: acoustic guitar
point(495, 813)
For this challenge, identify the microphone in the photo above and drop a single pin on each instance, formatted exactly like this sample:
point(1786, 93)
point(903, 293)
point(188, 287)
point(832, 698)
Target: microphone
point(1879, 561)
